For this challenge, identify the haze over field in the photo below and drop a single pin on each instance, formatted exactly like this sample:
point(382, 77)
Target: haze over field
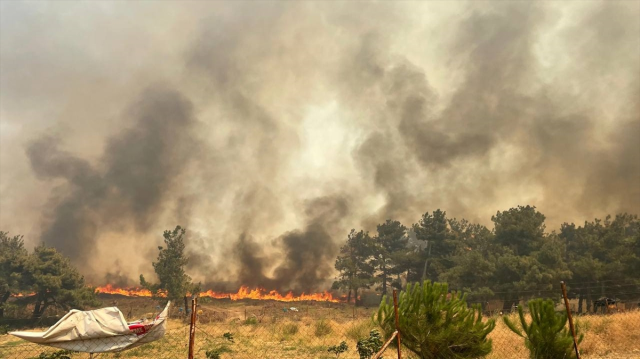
point(271, 129)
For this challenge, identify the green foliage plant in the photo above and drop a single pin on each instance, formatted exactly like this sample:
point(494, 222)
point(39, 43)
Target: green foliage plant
point(434, 323)
point(228, 336)
point(60, 354)
point(367, 347)
point(251, 321)
point(216, 352)
point(547, 336)
point(220, 348)
point(338, 349)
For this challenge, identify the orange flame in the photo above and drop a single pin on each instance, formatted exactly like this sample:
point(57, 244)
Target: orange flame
point(243, 293)
point(129, 292)
point(22, 295)
point(262, 294)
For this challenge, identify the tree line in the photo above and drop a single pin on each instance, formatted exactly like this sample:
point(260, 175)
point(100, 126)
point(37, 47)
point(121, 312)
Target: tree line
point(516, 260)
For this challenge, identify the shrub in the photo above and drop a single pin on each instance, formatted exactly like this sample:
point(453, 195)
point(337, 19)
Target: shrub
point(217, 351)
point(369, 346)
point(250, 321)
point(60, 354)
point(338, 349)
point(322, 328)
point(290, 328)
point(436, 324)
point(228, 336)
point(547, 336)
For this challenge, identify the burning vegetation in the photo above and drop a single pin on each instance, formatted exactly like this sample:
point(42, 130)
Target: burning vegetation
point(243, 293)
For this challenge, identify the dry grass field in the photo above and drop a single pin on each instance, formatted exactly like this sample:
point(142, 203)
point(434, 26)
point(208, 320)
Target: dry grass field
point(274, 330)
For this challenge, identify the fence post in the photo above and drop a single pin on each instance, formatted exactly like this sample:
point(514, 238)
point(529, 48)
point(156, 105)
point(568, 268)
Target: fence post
point(395, 309)
point(192, 330)
point(573, 331)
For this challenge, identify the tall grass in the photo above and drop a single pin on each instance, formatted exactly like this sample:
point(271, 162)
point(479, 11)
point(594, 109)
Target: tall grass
point(359, 329)
point(322, 328)
point(605, 336)
point(614, 336)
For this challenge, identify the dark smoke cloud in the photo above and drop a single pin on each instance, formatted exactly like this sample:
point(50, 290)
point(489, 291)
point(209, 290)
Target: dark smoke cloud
point(304, 259)
point(313, 118)
point(133, 179)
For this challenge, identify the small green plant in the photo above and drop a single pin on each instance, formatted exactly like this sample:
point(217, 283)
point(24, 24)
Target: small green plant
point(216, 352)
point(250, 321)
point(4, 329)
point(547, 336)
point(367, 347)
point(434, 323)
point(60, 354)
point(322, 328)
point(338, 349)
point(228, 336)
point(290, 328)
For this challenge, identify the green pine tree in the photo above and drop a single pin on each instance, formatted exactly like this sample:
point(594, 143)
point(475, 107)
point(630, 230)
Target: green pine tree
point(174, 283)
point(434, 323)
point(547, 336)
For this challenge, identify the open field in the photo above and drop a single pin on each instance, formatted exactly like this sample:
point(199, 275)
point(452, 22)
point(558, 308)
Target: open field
point(263, 329)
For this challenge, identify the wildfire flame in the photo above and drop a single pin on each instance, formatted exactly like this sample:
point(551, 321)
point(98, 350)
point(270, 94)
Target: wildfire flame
point(128, 292)
point(243, 293)
point(22, 295)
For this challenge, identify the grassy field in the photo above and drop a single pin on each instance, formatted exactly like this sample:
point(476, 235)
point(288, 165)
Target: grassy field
point(274, 330)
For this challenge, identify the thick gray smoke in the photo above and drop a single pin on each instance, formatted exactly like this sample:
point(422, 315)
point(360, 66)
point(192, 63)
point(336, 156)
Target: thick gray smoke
point(271, 129)
point(306, 256)
point(129, 184)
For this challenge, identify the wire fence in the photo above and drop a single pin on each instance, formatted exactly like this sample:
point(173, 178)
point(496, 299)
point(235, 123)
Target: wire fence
point(220, 329)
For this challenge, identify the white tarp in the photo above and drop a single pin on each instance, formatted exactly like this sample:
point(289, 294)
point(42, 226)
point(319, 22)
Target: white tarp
point(97, 331)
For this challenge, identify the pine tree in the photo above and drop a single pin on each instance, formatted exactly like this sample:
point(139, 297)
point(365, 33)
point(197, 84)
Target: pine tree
point(355, 264)
point(547, 336)
point(174, 282)
point(436, 324)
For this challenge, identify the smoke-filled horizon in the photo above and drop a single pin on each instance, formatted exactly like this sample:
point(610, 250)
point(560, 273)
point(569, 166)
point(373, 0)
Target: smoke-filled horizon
point(270, 129)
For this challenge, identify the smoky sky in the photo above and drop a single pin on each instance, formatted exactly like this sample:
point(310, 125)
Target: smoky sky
point(269, 129)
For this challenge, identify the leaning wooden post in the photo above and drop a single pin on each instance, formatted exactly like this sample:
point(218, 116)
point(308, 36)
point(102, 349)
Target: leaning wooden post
point(573, 331)
point(192, 330)
point(395, 309)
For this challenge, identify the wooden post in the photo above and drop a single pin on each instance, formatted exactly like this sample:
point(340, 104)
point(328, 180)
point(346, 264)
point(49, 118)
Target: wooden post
point(192, 330)
point(573, 331)
point(395, 309)
point(384, 347)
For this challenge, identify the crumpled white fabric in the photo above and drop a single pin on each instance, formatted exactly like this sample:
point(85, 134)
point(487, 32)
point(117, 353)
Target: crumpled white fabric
point(96, 331)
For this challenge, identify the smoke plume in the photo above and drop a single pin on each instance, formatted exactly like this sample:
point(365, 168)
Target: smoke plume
point(270, 129)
